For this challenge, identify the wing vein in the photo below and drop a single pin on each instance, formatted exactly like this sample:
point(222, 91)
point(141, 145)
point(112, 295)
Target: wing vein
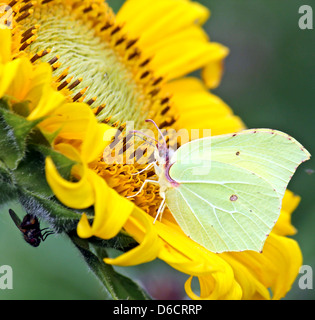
point(215, 213)
point(191, 209)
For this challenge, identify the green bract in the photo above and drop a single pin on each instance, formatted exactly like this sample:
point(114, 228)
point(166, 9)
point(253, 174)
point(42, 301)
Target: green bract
point(23, 149)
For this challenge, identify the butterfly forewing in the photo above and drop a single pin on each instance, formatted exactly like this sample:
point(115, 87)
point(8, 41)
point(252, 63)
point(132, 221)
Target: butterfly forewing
point(273, 155)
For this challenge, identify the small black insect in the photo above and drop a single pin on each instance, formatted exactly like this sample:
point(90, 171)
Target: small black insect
point(30, 228)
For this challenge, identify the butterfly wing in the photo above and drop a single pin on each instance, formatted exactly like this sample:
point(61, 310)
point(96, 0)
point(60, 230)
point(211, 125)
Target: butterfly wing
point(228, 209)
point(271, 154)
point(231, 187)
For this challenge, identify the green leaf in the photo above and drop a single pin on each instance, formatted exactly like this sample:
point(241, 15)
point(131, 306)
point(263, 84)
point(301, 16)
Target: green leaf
point(50, 137)
point(4, 104)
point(63, 164)
point(59, 216)
point(122, 242)
point(30, 175)
point(7, 187)
point(120, 287)
point(124, 287)
point(22, 108)
point(14, 131)
point(35, 193)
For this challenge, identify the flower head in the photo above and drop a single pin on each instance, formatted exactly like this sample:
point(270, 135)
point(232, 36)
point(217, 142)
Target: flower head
point(73, 54)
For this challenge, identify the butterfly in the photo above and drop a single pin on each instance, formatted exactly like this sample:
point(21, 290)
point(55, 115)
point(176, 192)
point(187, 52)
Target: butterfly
point(225, 192)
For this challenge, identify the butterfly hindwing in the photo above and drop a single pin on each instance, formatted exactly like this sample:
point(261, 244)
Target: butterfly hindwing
point(228, 209)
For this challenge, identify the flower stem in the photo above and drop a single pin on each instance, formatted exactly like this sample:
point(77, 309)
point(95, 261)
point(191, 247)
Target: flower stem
point(118, 286)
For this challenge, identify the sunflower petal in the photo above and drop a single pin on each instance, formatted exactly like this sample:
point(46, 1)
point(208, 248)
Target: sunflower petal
point(50, 101)
point(212, 73)
point(76, 122)
point(184, 52)
point(8, 72)
point(284, 226)
point(284, 254)
point(84, 229)
point(71, 119)
point(141, 228)
point(175, 42)
point(111, 210)
point(201, 109)
point(214, 273)
point(275, 268)
point(99, 132)
point(172, 17)
point(6, 44)
point(77, 195)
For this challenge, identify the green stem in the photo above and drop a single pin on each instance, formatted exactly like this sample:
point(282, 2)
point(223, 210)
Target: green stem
point(118, 286)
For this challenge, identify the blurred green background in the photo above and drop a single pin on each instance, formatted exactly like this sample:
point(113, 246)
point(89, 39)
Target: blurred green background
point(270, 82)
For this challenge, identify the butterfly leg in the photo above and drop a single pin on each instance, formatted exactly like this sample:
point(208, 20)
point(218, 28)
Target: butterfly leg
point(161, 210)
point(145, 169)
point(144, 183)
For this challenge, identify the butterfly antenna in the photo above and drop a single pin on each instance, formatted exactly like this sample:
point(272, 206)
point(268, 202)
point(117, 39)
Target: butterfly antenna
point(144, 134)
point(146, 141)
point(159, 130)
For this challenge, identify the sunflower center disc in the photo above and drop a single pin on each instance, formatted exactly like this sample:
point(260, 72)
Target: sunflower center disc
point(91, 58)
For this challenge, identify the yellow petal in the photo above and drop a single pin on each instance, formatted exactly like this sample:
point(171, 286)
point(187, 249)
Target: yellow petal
point(248, 278)
point(283, 226)
point(275, 268)
point(70, 119)
point(169, 32)
point(84, 229)
point(142, 230)
point(200, 109)
point(8, 72)
point(290, 201)
point(40, 81)
point(187, 256)
point(77, 122)
point(70, 152)
point(206, 290)
point(50, 101)
point(21, 83)
point(6, 43)
point(99, 132)
point(111, 211)
point(284, 253)
point(183, 53)
point(212, 73)
point(155, 20)
point(77, 195)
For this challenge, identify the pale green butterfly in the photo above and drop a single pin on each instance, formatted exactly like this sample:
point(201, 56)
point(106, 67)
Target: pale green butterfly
point(225, 192)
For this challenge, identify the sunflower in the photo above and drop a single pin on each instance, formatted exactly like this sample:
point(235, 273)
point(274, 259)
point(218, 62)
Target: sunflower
point(109, 69)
